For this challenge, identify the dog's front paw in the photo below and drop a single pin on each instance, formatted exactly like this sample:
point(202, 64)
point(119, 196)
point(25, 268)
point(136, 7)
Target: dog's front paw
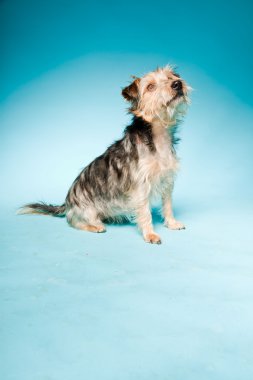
point(174, 224)
point(152, 238)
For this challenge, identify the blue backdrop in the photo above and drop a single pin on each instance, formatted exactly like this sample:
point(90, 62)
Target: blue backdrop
point(77, 305)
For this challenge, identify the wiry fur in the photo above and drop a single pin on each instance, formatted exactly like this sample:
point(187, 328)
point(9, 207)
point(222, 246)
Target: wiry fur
point(122, 181)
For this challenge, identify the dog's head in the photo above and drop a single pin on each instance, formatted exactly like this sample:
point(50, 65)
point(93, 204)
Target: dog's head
point(159, 94)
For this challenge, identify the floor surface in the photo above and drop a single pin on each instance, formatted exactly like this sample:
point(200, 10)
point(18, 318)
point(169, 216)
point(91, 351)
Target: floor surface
point(77, 305)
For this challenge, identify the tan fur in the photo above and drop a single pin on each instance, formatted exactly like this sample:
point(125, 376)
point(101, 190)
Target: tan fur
point(151, 105)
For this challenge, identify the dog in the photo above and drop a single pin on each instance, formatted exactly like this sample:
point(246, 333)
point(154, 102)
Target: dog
point(122, 182)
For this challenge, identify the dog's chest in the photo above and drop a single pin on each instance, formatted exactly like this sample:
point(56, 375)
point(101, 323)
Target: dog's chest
point(165, 155)
point(157, 164)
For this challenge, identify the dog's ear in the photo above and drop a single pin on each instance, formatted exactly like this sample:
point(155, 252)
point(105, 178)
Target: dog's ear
point(131, 92)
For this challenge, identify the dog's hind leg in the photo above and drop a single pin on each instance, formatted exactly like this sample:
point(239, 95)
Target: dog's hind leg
point(90, 227)
point(85, 219)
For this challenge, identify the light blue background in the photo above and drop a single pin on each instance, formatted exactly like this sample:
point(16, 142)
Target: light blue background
point(81, 306)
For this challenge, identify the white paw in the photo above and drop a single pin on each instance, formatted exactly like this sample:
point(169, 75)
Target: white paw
point(152, 238)
point(175, 225)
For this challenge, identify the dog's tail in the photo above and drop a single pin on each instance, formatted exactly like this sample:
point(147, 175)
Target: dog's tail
point(42, 209)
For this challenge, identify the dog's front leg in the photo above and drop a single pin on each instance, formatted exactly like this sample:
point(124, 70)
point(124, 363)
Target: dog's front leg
point(144, 221)
point(169, 219)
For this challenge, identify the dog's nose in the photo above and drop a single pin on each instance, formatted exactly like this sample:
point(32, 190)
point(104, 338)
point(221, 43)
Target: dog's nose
point(176, 85)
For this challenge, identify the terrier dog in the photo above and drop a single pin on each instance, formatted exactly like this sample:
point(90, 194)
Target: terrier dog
point(122, 182)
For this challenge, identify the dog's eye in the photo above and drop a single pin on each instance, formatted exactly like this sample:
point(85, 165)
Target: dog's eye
point(151, 87)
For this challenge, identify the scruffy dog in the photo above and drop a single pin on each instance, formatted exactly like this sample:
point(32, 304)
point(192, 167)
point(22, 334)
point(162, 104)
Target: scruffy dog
point(122, 181)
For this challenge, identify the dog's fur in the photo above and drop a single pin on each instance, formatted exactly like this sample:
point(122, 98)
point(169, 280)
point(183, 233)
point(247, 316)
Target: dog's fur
point(122, 181)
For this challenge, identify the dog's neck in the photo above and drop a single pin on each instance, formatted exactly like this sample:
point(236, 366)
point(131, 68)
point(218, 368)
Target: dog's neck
point(166, 131)
point(154, 134)
point(163, 124)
